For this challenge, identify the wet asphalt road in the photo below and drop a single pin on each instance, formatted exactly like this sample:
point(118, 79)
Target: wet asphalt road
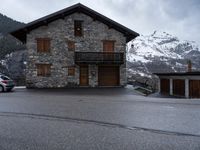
point(96, 119)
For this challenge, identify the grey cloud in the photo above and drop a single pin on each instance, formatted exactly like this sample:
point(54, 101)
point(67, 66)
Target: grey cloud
point(178, 17)
point(181, 9)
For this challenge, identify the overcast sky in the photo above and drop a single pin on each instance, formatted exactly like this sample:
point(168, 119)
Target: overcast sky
point(177, 17)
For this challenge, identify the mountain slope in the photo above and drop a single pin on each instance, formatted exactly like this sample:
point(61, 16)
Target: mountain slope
point(8, 24)
point(161, 52)
point(8, 43)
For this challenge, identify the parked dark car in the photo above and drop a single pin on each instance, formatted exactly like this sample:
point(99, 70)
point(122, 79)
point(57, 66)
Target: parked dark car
point(6, 84)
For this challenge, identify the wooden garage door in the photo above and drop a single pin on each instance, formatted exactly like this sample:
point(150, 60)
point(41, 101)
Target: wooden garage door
point(179, 87)
point(164, 86)
point(194, 88)
point(108, 75)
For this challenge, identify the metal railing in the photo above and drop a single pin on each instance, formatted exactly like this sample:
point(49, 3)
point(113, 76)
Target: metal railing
point(99, 57)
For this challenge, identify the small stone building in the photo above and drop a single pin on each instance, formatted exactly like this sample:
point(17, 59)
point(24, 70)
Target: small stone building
point(75, 47)
point(180, 84)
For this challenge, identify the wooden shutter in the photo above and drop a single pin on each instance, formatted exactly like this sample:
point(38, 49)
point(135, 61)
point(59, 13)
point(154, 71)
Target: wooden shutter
point(43, 44)
point(71, 71)
point(39, 45)
point(78, 31)
point(39, 70)
point(71, 45)
point(46, 45)
point(108, 46)
point(43, 70)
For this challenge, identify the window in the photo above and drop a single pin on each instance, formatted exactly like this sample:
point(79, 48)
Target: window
point(44, 70)
point(4, 78)
point(43, 45)
point(108, 46)
point(71, 45)
point(71, 71)
point(78, 31)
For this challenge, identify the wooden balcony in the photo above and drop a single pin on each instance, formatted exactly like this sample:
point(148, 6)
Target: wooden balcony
point(99, 58)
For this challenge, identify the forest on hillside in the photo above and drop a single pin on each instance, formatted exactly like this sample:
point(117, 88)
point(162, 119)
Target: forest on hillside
point(8, 43)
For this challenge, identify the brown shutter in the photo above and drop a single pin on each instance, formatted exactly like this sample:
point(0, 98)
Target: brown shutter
point(39, 45)
point(108, 46)
point(71, 45)
point(47, 45)
point(47, 70)
point(43, 45)
point(43, 70)
point(39, 70)
point(71, 71)
point(78, 31)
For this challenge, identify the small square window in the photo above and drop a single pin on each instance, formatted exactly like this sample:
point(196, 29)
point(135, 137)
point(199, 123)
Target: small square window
point(44, 70)
point(71, 45)
point(43, 45)
point(71, 71)
point(108, 46)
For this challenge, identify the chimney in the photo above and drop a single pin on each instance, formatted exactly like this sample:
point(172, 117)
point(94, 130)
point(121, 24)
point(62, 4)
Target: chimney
point(189, 66)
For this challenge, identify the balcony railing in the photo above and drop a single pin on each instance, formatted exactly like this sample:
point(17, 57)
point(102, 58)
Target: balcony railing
point(99, 58)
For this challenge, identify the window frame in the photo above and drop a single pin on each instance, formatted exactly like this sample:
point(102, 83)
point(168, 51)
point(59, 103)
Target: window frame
point(71, 71)
point(71, 45)
point(43, 45)
point(43, 70)
point(106, 45)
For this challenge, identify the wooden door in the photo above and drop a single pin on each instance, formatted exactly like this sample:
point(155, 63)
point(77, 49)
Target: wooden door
point(179, 87)
point(164, 86)
point(108, 75)
point(194, 88)
point(83, 75)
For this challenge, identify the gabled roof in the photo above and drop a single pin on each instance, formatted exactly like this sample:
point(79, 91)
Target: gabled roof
point(21, 33)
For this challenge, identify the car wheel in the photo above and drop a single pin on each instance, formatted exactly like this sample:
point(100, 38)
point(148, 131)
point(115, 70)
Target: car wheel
point(9, 90)
point(1, 88)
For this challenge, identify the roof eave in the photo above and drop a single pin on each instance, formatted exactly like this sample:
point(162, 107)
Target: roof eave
point(20, 34)
point(178, 74)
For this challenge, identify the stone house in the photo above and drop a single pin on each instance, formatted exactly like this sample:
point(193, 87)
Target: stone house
point(74, 47)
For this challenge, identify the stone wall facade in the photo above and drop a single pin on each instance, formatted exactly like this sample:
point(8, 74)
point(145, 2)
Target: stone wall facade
point(60, 58)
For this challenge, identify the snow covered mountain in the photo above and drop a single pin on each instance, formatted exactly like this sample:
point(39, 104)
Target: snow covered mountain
point(161, 52)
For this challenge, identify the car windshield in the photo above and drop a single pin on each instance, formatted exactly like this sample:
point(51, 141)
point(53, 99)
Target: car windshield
point(4, 78)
